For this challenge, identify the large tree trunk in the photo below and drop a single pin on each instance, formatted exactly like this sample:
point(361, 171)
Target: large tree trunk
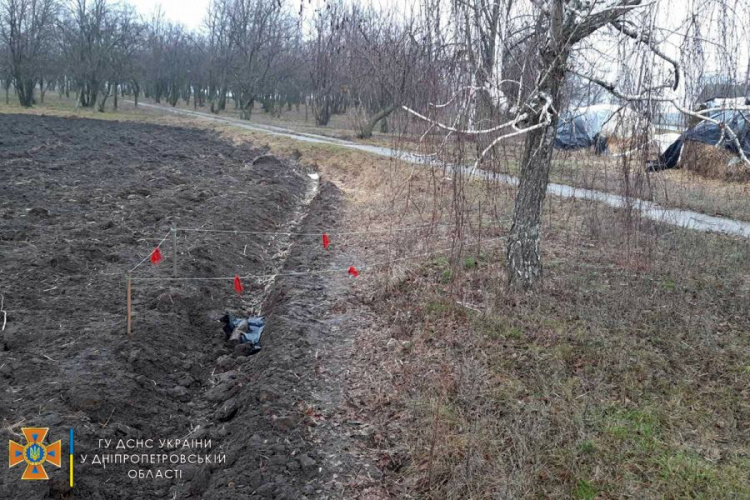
point(27, 95)
point(524, 262)
point(322, 110)
point(522, 252)
point(25, 91)
point(245, 107)
point(103, 100)
point(365, 131)
point(83, 96)
point(222, 99)
point(93, 93)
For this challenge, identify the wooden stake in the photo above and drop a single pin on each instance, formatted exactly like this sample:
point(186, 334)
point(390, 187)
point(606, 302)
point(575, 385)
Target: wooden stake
point(479, 237)
point(130, 305)
point(174, 245)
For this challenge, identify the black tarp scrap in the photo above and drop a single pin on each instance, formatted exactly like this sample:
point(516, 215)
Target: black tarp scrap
point(711, 133)
point(582, 129)
point(574, 133)
point(245, 330)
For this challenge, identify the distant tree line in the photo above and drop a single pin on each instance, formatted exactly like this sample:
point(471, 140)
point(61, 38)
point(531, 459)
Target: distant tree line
point(248, 53)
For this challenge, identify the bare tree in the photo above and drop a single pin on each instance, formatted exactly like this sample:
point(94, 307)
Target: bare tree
point(218, 53)
point(167, 57)
point(257, 35)
point(385, 65)
point(27, 30)
point(124, 65)
point(327, 46)
point(559, 29)
point(292, 79)
point(91, 39)
point(198, 71)
point(6, 71)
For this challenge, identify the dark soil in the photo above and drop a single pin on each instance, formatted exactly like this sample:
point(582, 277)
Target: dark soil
point(83, 202)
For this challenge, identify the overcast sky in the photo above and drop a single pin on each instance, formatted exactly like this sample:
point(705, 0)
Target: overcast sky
point(187, 12)
point(190, 13)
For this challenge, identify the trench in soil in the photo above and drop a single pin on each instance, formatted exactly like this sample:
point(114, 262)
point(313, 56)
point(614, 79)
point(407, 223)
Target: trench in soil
point(86, 199)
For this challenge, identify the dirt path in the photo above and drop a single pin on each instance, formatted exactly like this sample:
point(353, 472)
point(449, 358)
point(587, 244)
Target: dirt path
point(651, 210)
point(109, 192)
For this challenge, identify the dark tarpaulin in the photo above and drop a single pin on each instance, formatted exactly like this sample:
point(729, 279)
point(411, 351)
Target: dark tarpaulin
point(711, 133)
point(582, 128)
point(247, 330)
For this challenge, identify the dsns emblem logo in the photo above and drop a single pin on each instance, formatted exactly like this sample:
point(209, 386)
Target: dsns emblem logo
point(34, 453)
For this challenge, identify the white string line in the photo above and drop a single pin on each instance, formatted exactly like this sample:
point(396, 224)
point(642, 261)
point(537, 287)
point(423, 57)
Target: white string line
point(297, 273)
point(344, 233)
point(5, 313)
point(152, 251)
point(81, 276)
point(304, 273)
point(330, 233)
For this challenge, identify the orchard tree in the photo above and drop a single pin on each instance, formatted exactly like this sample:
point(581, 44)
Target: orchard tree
point(385, 63)
point(97, 37)
point(218, 53)
point(327, 48)
point(167, 60)
point(257, 33)
point(560, 30)
point(27, 33)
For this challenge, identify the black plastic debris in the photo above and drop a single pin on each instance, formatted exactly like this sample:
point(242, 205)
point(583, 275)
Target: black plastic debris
point(583, 128)
point(713, 134)
point(577, 133)
point(245, 330)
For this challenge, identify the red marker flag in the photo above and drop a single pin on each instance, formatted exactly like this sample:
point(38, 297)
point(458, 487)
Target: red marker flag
point(353, 271)
point(326, 241)
point(156, 256)
point(238, 285)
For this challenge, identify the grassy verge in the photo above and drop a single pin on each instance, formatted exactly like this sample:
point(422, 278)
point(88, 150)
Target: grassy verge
point(677, 188)
point(626, 376)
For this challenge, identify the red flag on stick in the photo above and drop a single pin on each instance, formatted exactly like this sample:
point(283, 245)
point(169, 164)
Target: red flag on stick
point(238, 284)
point(156, 256)
point(353, 271)
point(326, 241)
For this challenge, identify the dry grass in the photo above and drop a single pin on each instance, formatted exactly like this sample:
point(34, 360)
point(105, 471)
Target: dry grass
point(620, 145)
point(626, 376)
point(678, 188)
point(343, 126)
point(712, 162)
